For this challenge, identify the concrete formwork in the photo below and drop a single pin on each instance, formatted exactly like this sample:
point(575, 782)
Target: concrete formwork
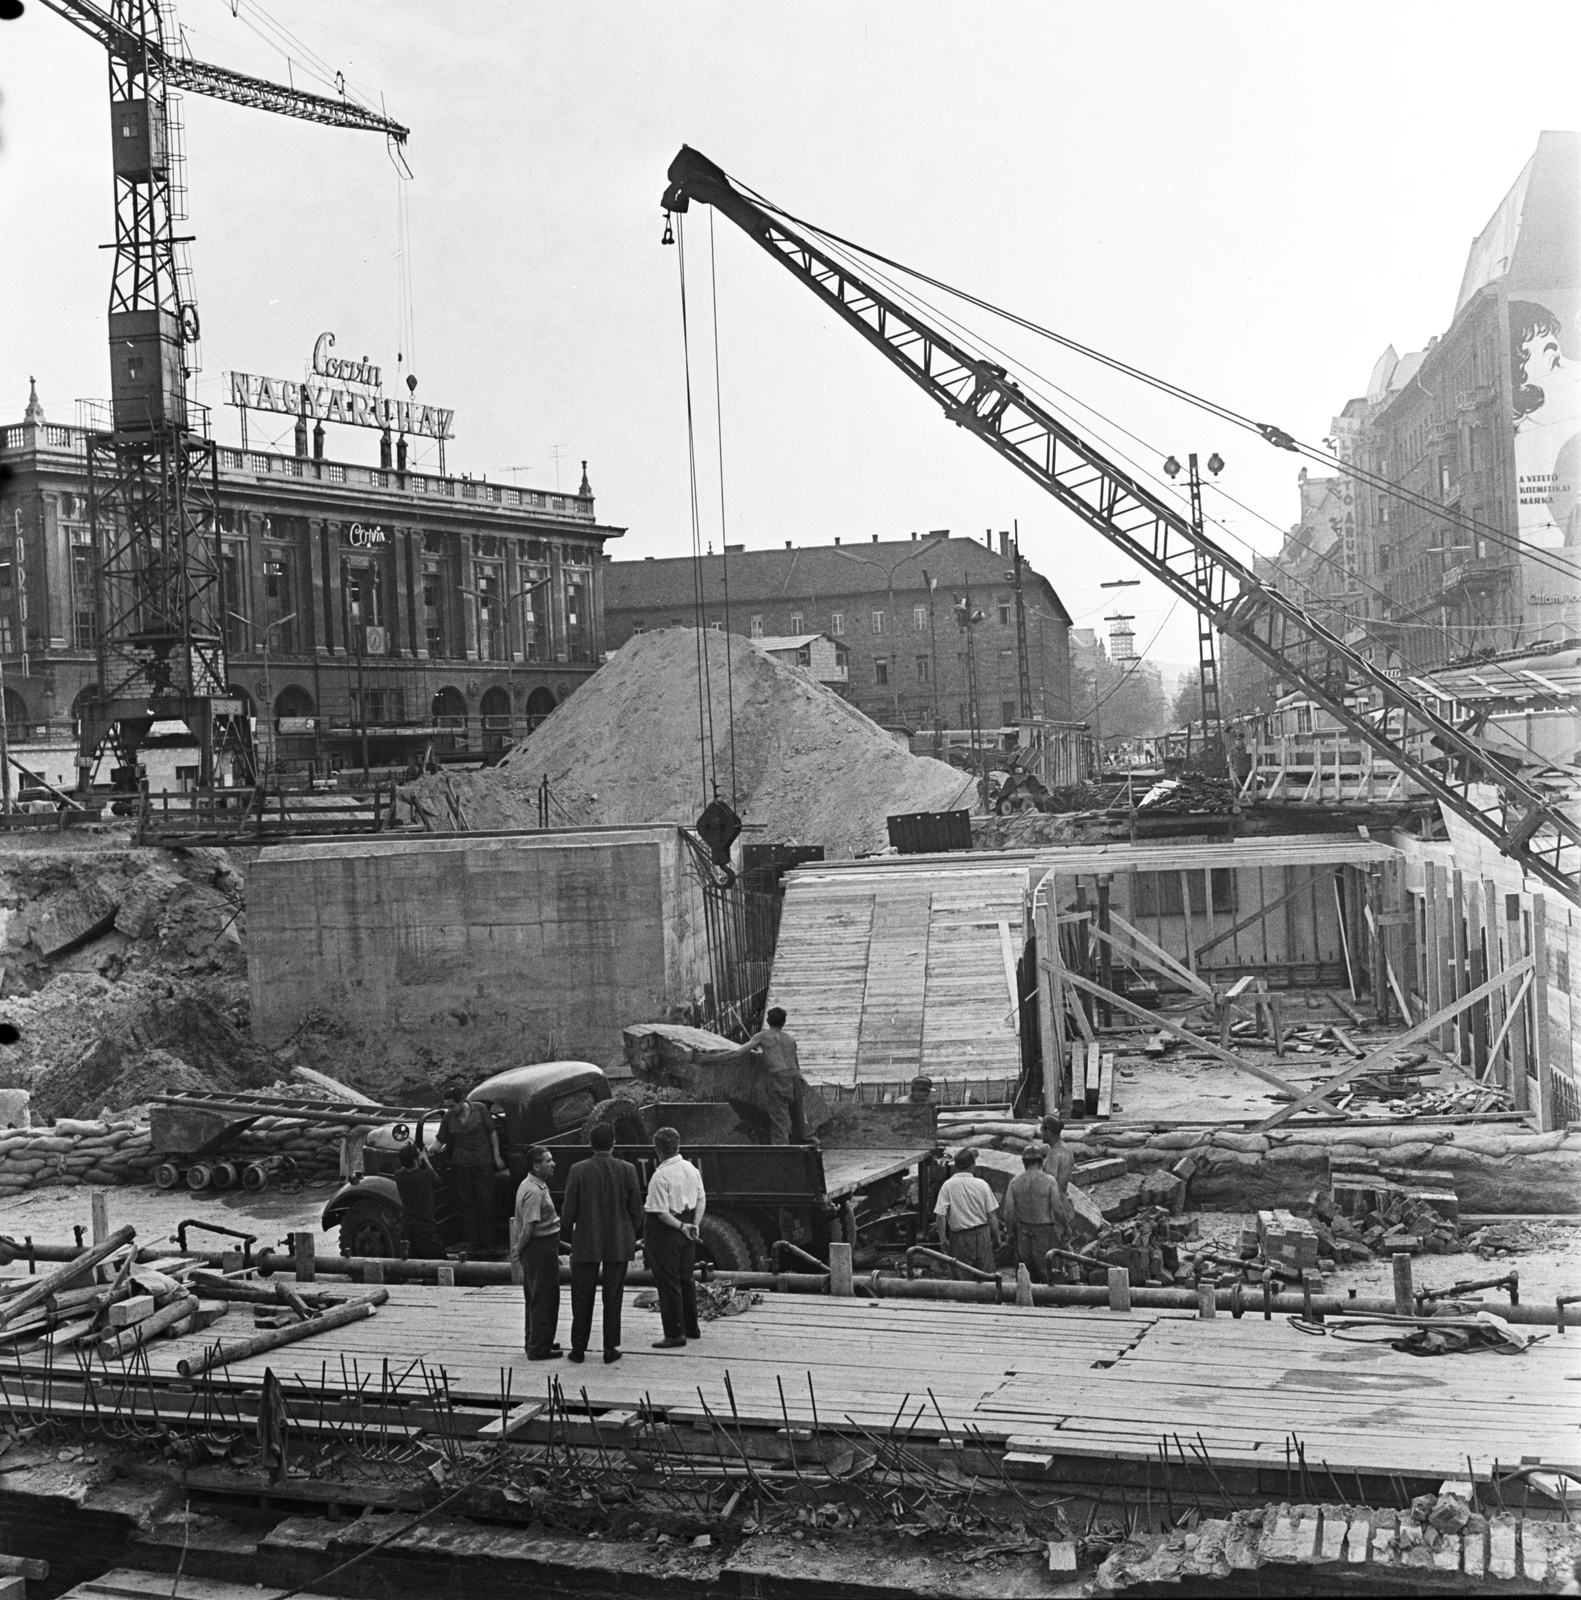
point(520, 946)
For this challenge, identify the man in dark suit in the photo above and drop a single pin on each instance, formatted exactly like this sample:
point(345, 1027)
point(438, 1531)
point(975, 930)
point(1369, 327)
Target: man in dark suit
point(602, 1213)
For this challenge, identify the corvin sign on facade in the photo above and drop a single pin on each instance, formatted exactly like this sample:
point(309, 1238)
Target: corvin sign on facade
point(338, 391)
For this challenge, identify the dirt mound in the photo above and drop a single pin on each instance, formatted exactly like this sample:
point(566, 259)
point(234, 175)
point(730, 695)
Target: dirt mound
point(808, 766)
point(122, 973)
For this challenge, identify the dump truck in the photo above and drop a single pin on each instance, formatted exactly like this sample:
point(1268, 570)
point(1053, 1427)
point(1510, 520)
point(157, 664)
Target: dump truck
point(868, 1179)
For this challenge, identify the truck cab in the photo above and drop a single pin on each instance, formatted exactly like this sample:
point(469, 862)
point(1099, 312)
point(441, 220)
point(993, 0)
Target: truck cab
point(538, 1104)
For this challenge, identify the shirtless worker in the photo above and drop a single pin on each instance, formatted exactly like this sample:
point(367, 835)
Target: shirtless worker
point(1035, 1214)
point(782, 1066)
point(1059, 1163)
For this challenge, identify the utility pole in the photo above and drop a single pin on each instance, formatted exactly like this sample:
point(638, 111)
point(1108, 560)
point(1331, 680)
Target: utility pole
point(1025, 684)
point(362, 693)
point(967, 619)
point(933, 654)
point(5, 748)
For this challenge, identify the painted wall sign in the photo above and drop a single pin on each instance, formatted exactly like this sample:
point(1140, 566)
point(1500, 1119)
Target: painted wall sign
point(328, 401)
point(365, 538)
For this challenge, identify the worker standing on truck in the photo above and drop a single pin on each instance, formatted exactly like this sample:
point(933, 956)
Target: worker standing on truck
point(415, 1182)
point(671, 1226)
point(1035, 1214)
point(781, 1064)
point(467, 1131)
point(968, 1215)
point(601, 1214)
point(538, 1246)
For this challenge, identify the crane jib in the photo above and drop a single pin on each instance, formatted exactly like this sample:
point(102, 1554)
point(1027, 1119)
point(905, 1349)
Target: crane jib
point(980, 396)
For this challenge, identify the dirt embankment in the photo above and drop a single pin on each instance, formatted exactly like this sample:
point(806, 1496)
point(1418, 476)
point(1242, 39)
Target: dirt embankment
point(627, 747)
point(124, 975)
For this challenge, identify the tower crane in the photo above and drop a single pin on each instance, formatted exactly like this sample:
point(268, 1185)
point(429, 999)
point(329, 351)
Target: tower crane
point(1525, 822)
point(153, 482)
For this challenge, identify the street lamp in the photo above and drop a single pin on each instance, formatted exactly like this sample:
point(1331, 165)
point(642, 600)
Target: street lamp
point(523, 593)
point(889, 586)
point(279, 622)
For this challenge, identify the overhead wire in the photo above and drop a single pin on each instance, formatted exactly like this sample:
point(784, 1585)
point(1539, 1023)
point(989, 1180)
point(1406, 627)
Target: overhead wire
point(838, 248)
point(1267, 431)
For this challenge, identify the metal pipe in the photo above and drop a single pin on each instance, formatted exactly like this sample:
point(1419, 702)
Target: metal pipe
point(475, 1274)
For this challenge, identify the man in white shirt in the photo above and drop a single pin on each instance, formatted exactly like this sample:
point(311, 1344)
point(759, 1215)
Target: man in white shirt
point(968, 1215)
point(672, 1217)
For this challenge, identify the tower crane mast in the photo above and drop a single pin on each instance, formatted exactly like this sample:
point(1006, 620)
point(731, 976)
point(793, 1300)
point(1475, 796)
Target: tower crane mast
point(1525, 823)
point(153, 482)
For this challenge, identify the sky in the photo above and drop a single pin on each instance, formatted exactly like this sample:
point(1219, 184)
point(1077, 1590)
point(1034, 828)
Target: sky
point(1251, 201)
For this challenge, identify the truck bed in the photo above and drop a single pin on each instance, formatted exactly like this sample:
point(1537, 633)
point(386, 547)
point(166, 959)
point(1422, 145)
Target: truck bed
point(845, 1171)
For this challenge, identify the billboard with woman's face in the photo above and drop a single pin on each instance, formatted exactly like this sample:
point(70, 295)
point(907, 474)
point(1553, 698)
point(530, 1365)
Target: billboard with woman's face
point(1543, 301)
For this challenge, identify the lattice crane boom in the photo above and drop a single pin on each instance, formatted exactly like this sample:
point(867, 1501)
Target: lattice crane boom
point(1525, 822)
point(221, 83)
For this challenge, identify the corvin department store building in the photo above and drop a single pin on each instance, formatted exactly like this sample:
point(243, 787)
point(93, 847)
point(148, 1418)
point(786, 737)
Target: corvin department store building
point(440, 611)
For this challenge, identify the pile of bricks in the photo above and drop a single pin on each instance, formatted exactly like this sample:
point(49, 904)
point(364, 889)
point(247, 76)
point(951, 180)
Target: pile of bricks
point(1439, 1543)
point(1373, 1209)
point(1146, 1243)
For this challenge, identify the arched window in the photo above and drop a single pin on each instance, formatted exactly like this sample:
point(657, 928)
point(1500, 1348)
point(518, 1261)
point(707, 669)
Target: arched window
point(234, 691)
point(539, 704)
point(16, 717)
point(496, 702)
point(450, 708)
point(293, 701)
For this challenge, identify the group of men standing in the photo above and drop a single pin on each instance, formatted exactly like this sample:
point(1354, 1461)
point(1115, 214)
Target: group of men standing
point(601, 1216)
point(1036, 1215)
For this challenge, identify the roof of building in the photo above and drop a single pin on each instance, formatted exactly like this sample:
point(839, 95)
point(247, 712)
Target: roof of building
point(788, 641)
point(817, 572)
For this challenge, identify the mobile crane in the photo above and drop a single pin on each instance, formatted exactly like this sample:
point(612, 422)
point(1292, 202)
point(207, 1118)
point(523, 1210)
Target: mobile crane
point(1526, 823)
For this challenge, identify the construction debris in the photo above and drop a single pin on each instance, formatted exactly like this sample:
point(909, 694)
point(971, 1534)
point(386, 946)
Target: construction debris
point(797, 761)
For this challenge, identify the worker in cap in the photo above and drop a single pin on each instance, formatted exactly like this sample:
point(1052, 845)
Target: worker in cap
point(968, 1215)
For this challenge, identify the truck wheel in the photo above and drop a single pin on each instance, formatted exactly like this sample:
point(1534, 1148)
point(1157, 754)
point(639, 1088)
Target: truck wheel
point(731, 1244)
point(198, 1177)
point(624, 1118)
point(370, 1229)
point(167, 1175)
point(255, 1177)
point(223, 1175)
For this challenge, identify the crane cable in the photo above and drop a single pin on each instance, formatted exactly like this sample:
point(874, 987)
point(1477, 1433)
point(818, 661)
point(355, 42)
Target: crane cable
point(707, 758)
point(724, 547)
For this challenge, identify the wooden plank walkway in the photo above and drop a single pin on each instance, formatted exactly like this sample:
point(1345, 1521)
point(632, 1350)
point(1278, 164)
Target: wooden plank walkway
point(1071, 1382)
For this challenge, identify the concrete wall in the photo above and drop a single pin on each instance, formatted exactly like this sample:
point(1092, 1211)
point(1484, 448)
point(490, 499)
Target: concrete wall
point(495, 950)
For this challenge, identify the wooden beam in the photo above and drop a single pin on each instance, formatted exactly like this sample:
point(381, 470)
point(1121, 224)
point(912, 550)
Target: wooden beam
point(1496, 1006)
point(1513, 1012)
point(1161, 959)
point(1520, 1090)
point(1256, 917)
point(1157, 1020)
point(1542, 1033)
point(1428, 1025)
point(1457, 929)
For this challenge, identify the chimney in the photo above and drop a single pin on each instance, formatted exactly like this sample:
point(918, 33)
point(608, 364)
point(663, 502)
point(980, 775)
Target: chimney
point(913, 537)
point(1004, 545)
point(938, 533)
point(875, 538)
point(837, 538)
point(787, 544)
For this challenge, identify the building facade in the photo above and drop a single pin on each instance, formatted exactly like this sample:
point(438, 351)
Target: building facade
point(891, 609)
point(1482, 430)
point(403, 610)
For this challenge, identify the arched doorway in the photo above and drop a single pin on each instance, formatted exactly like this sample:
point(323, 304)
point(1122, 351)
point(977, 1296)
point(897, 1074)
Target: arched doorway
point(496, 709)
point(539, 704)
point(16, 715)
point(293, 701)
point(450, 708)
